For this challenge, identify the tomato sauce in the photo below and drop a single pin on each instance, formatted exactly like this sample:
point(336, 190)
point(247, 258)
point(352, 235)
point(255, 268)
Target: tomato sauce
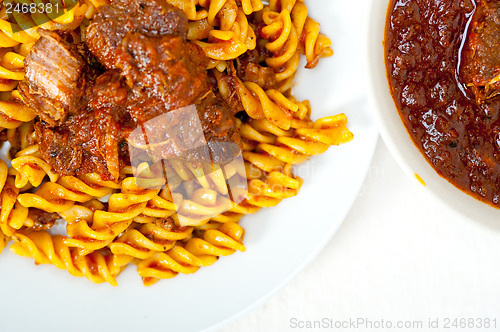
point(457, 134)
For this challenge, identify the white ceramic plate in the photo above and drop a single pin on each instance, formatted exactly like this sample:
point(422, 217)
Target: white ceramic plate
point(394, 132)
point(279, 241)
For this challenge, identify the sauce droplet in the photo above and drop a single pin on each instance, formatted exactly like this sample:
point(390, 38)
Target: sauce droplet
point(420, 179)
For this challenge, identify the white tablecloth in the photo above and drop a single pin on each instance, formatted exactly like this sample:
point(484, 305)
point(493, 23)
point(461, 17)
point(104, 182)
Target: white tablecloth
point(401, 257)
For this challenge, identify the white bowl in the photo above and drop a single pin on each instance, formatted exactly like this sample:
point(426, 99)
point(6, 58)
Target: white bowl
point(394, 132)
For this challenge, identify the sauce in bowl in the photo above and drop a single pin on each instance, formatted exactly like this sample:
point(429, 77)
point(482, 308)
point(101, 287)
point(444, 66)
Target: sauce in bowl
point(430, 49)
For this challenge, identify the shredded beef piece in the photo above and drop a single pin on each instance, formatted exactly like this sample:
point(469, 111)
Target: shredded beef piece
point(42, 220)
point(57, 76)
point(88, 142)
point(248, 69)
point(480, 70)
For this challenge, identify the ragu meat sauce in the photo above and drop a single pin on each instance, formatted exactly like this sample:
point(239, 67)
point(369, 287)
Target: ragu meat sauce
point(443, 66)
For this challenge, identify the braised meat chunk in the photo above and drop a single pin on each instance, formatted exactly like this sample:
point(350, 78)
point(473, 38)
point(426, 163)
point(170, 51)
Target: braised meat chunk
point(42, 220)
point(113, 22)
point(164, 73)
point(480, 70)
point(248, 69)
point(219, 126)
point(56, 145)
point(90, 139)
point(57, 75)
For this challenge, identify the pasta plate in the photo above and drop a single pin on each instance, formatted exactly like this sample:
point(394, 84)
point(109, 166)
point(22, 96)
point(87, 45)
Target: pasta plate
point(279, 241)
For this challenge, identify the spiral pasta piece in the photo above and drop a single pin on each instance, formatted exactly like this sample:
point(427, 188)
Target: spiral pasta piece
point(12, 215)
point(251, 6)
point(189, 257)
point(3, 225)
point(47, 249)
point(291, 32)
point(279, 5)
point(195, 192)
point(13, 114)
point(282, 35)
point(163, 205)
point(52, 197)
point(61, 195)
point(272, 103)
point(156, 236)
point(266, 191)
point(99, 228)
point(32, 170)
point(234, 35)
point(212, 177)
point(307, 141)
point(277, 150)
point(218, 242)
point(82, 233)
point(189, 8)
point(223, 45)
point(22, 138)
point(225, 11)
point(314, 45)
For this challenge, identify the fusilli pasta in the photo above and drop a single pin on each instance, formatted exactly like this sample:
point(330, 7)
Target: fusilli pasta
point(164, 228)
